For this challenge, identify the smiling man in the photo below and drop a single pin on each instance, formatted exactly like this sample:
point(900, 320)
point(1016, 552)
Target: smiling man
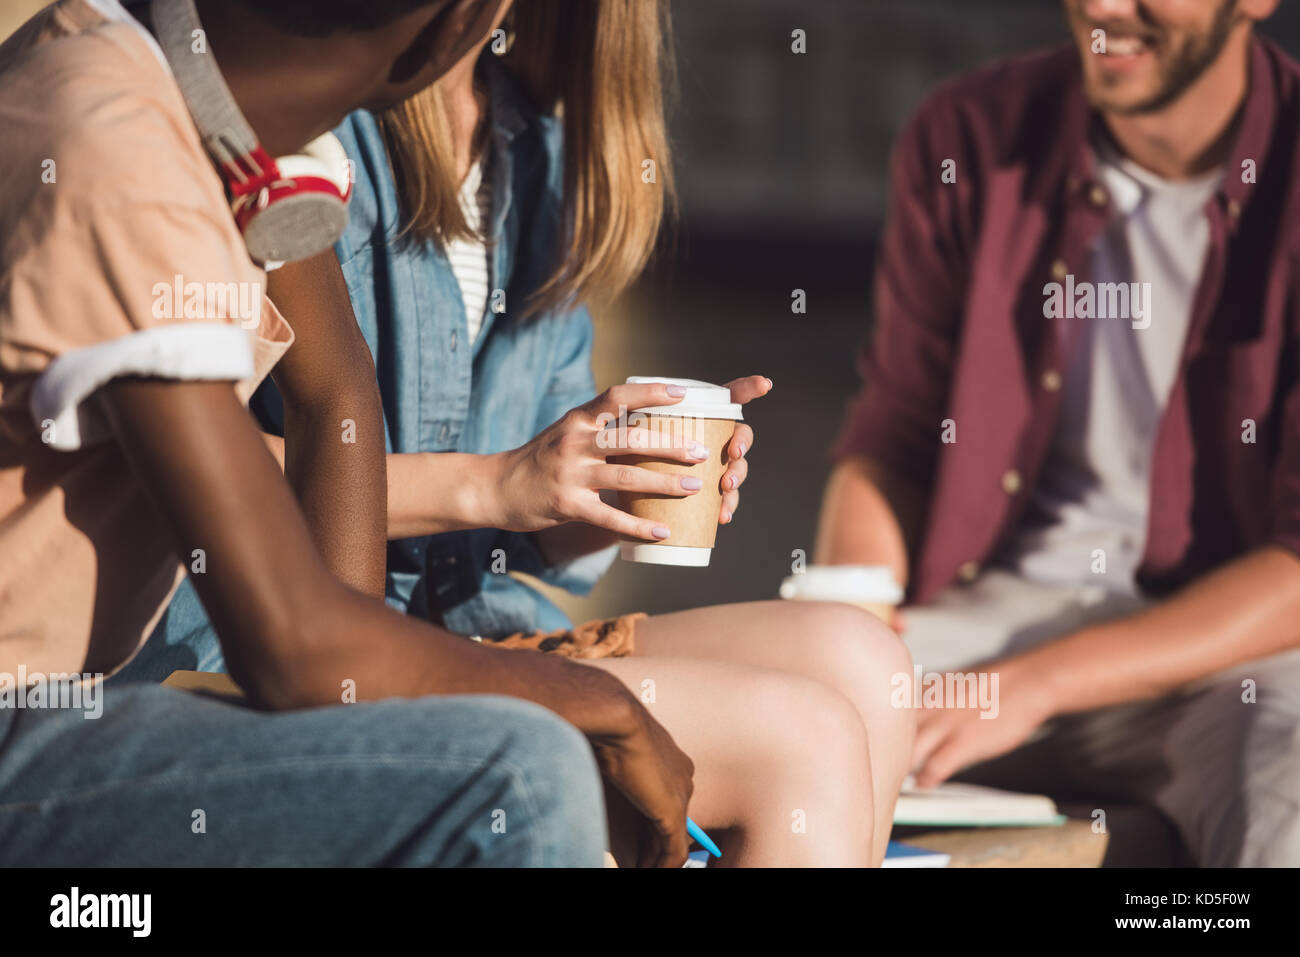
point(1104, 512)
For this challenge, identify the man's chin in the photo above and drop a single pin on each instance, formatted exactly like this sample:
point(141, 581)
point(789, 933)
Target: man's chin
point(1123, 98)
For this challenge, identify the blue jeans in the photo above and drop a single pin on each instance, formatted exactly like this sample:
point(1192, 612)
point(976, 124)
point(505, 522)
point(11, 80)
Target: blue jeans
point(183, 640)
point(167, 777)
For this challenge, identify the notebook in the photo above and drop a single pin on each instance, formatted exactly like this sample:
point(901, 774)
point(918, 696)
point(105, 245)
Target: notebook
point(952, 804)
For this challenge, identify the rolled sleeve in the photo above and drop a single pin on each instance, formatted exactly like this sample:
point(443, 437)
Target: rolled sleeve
point(62, 402)
point(183, 303)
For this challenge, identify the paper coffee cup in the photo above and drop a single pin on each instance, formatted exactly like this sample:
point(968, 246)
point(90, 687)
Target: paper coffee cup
point(872, 587)
point(706, 415)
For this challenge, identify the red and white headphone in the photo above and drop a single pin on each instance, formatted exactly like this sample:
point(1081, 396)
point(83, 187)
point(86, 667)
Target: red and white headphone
point(287, 209)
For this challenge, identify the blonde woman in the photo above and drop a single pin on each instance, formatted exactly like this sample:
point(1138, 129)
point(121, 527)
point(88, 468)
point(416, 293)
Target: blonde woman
point(485, 214)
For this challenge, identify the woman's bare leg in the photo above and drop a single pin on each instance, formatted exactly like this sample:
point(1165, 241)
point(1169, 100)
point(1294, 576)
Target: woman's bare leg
point(836, 645)
point(782, 770)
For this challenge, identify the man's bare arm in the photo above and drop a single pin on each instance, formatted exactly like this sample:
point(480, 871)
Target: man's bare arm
point(1247, 609)
point(869, 517)
point(333, 421)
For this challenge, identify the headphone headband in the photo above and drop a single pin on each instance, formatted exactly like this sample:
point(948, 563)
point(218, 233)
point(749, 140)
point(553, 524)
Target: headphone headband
point(225, 132)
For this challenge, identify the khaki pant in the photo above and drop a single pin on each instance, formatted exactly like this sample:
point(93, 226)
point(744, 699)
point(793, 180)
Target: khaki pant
point(1224, 772)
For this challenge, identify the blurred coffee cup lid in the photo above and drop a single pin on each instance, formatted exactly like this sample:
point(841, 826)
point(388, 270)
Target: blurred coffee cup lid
point(873, 584)
point(703, 400)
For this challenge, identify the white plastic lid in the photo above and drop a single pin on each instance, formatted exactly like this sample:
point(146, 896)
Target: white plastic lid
point(873, 584)
point(653, 553)
point(703, 400)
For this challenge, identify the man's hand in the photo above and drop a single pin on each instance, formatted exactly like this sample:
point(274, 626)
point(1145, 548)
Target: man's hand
point(644, 764)
point(950, 739)
point(636, 755)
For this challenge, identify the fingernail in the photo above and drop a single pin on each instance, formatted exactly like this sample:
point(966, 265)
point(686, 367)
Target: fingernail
point(769, 382)
point(726, 517)
point(660, 531)
point(743, 449)
point(692, 484)
point(698, 451)
point(734, 481)
point(677, 391)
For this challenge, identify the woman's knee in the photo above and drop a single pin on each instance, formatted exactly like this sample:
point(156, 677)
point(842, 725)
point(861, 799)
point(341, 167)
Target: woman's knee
point(818, 758)
point(855, 648)
point(811, 730)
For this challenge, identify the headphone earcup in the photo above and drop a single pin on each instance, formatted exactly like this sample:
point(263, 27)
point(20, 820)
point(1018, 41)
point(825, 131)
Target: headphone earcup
point(333, 159)
point(295, 227)
point(305, 211)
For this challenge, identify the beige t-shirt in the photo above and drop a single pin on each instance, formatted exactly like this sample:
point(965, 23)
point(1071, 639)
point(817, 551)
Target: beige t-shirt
point(118, 256)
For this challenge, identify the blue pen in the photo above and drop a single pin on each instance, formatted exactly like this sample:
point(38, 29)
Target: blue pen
point(702, 839)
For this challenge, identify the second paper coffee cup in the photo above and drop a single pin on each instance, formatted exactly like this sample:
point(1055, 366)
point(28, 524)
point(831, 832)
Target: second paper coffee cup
point(706, 415)
point(872, 587)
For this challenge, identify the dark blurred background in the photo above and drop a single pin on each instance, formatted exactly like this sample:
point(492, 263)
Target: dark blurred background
point(781, 163)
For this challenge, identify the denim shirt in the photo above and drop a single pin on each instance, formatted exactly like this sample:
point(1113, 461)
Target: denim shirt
point(442, 393)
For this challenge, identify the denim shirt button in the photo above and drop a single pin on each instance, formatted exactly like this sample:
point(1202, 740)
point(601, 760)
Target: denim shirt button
point(453, 340)
point(444, 432)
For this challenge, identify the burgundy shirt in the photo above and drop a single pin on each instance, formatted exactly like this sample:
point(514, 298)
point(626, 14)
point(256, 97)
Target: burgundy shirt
point(960, 332)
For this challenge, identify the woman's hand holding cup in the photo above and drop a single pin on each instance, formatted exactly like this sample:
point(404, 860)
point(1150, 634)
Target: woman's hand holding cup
point(559, 475)
point(742, 440)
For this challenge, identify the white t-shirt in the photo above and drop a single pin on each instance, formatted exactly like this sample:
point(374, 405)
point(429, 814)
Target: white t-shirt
point(1094, 490)
point(469, 257)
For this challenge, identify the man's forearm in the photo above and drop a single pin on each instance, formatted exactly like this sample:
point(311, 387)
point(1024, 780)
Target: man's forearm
point(292, 633)
point(868, 518)
point(334, 461)
point(345, 641)
point(1247, 609)
point(333, 421)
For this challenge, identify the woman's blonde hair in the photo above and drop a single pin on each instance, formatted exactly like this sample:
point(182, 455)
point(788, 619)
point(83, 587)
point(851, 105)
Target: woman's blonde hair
point(605, 66)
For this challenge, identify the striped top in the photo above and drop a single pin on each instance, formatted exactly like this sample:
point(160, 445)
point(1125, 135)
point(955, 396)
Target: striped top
point(469, 257)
